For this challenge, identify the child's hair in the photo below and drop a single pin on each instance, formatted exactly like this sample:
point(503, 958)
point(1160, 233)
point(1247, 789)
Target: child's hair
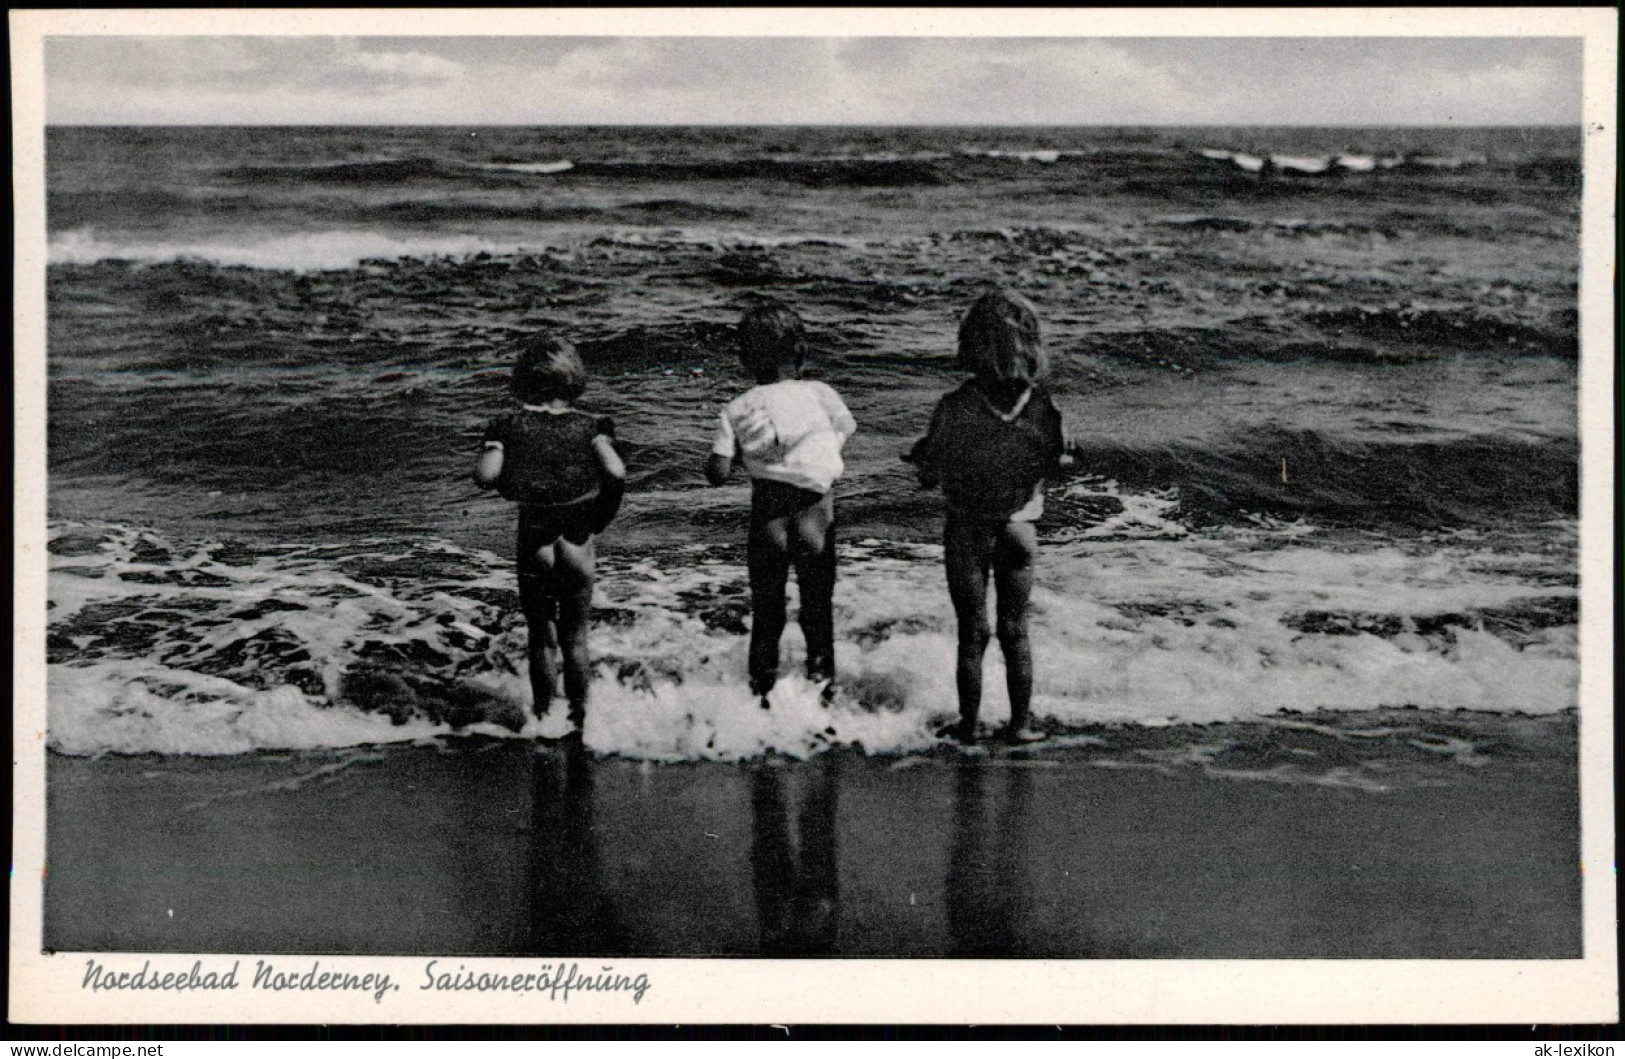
point(548, 369)
point(999, 339)
point(771, 337)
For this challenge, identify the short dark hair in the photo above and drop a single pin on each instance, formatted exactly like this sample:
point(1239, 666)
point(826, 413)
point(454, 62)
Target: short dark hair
point(999, 338)
point(548, 368)
point(771, 335)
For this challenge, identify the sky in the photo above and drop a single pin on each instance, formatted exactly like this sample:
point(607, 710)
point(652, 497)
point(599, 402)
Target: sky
point(558, 80)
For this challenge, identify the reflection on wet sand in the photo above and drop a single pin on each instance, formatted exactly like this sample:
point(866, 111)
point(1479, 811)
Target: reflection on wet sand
point(985, 887)
point(795, 869)
point(488, 848)
point(572, 911)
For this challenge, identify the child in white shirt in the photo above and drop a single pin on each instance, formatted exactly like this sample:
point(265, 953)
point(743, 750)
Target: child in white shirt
point(788, 433)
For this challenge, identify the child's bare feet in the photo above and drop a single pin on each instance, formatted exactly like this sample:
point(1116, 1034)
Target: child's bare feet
point(1024, 734)
point(959, 732)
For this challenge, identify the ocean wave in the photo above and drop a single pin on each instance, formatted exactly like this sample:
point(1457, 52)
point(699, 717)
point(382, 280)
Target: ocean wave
point(1394, 224)
point(531, 168)
point(1454, 328)
point(66, 211)
point(388, 171)
point(186, 646)
point(308, 251)
point(844, 172)
point(870, 156)
point(1438, 161)
point(1372, 334)
point(379, 171)
point(1425, 482)
point(721, 239)
point(448, 211)
point(451, 211)
point(668, 211)
point(1565, 173)
point(1323, 164)
point(679, 224)
point(1041, 155)
point(877, 168)
point(813, 171)
point(673, 346)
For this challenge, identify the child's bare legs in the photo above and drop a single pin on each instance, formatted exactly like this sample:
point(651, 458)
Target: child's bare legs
point(968, 553)
point(575, 616)
point(971, 550)
point(543, 666)
point(1013, 557)
point(768, 558)
point(790, 526)
point(814, 559)
point(555, 588)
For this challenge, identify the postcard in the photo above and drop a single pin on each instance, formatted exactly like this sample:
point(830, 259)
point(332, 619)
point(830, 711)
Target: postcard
point(782, 516)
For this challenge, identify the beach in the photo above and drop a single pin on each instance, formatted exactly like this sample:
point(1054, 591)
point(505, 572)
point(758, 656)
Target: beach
point(1357, 836)
point(1305, 614)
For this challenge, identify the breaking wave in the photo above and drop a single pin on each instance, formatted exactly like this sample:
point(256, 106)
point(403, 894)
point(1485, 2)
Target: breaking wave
point(192, 646)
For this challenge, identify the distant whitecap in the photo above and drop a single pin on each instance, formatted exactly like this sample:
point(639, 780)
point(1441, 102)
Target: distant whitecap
point(1299, 163)
point(537, 168)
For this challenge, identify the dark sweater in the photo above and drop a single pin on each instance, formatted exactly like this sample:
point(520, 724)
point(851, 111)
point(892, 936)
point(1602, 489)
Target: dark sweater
point(991, 448)
point(548, 458)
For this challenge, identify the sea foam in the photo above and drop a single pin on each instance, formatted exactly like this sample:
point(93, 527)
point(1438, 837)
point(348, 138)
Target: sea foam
point(190, 647)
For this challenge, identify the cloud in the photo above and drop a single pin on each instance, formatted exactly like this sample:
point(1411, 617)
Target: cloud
point(224, 73)
point(397, 67)
point(1080, 82)
point(1366, 81)
point(1537, 83)
point(747, 80)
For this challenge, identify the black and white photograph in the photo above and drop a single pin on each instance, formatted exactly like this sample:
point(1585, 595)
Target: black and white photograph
point(692, 511)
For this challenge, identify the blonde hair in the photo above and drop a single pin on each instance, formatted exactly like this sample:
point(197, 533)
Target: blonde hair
point(999, 339)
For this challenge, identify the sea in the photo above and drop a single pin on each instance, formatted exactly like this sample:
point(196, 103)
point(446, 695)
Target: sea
point(1322, 382)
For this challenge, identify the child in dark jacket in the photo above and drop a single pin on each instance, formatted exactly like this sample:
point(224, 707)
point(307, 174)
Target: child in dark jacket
point(560, 466)
point(991, 445)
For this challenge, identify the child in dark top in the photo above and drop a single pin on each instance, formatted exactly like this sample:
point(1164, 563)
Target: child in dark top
point(560, 466)
point(788, 433)
point(991, 445)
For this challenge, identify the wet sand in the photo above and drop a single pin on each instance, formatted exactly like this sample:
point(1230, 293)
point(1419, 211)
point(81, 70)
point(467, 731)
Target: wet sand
point(1429, 837)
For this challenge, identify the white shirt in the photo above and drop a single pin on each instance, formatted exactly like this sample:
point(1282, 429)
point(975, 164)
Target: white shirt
point(790, 431)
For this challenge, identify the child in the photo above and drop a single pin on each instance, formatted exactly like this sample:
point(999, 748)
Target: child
point(991, 444)
point(560, 466)
point(789, 434)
